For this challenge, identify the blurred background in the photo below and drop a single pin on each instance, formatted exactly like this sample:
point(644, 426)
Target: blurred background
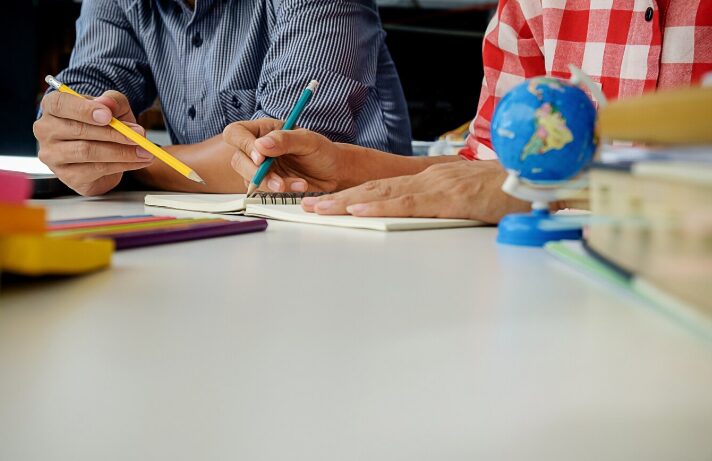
point(436, 45)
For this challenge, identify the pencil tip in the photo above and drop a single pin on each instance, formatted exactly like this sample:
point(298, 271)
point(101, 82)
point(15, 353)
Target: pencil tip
point(193, 176)
point(251, 189)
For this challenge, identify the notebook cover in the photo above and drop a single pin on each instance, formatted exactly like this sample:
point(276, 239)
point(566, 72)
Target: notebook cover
point(223, 203)
point(207, 203)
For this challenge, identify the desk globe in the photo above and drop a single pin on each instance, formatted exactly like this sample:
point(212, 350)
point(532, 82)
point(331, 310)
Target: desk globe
point(543, 133)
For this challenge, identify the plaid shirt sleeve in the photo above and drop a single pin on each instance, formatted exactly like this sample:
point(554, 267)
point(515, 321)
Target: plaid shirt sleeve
point(626, 47)
point(510, 54)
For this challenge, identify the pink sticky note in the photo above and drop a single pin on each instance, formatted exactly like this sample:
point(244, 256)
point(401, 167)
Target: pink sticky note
point(14, 187)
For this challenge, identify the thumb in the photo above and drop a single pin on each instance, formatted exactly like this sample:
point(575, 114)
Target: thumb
point(118, 104)
point(296, 142)
point(295, 185)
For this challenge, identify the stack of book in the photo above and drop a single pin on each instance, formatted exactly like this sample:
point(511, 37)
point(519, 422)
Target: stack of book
point(25, 247)
point(652, 206)
point(652, 220)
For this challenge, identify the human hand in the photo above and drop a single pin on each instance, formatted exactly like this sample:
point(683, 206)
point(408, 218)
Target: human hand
point(303, 160)
point(80, 148)
point(460, 189)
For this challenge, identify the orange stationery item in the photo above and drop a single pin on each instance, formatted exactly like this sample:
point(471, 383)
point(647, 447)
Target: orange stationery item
point(20, 218)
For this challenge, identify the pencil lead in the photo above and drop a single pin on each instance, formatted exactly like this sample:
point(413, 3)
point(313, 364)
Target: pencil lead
point(193, 176)
point(251, 190)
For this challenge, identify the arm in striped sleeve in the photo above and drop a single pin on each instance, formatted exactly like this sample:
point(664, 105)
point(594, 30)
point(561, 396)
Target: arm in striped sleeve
point(108, 56)
point(335, 42)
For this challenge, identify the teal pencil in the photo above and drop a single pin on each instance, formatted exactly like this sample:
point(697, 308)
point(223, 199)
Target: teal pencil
point(288, 125)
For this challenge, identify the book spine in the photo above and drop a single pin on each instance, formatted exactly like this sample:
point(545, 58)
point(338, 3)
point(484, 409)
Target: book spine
point(655, 228)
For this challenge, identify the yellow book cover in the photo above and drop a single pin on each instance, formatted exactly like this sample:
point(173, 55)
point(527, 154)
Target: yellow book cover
point(679, 116)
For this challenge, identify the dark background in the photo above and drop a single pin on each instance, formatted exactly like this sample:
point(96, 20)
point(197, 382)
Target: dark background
point(437, 53)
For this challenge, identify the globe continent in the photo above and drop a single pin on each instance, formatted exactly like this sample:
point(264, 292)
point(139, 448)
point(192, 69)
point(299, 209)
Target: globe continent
point(543, 128)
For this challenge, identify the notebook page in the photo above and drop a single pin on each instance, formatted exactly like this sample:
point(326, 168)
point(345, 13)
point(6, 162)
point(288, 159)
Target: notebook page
point(295, 213)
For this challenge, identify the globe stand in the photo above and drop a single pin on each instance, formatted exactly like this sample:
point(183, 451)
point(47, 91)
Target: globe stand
point(530, 229)
point(547, 104)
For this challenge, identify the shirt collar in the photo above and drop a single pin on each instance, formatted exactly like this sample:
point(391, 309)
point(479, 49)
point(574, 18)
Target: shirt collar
point(200, 8)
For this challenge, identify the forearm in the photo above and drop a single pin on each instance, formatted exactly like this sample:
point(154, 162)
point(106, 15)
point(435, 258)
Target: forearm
point(363, 164)
point(210, 159)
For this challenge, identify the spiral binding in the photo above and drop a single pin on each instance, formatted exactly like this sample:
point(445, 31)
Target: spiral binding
point(285, 198)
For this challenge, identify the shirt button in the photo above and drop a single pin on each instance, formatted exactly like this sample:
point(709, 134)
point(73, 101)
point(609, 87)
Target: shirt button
point(192, 112)
point(649, 14)
point(197, 40)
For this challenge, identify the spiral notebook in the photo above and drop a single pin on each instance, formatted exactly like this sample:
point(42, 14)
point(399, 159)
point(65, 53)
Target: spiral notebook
point(286, 207)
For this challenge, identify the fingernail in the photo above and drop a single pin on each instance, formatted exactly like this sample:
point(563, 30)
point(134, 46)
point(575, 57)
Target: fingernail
point(298, 186)
point(310, 201)
point(324, 205)
point(266, 142)
point(137, 128)
point(143, 153)
point(101, 116)
point(274, 185)
point(357, 208)
point(256, 157)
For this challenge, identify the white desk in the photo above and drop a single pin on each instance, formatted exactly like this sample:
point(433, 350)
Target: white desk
point(312, 343)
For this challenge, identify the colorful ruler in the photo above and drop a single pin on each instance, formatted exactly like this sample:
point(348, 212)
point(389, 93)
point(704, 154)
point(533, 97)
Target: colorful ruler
point(144, 230)
point(114, 220)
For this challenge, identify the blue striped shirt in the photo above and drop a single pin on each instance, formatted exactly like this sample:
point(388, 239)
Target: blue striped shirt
point(230, 60)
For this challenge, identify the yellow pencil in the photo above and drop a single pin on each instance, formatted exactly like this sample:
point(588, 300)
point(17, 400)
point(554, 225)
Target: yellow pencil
point(161, 154)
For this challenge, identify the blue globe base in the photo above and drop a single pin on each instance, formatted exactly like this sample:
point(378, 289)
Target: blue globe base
point(523, 229)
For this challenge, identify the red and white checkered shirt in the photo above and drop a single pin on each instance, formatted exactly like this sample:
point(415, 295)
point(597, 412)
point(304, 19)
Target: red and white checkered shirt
point(627, 46)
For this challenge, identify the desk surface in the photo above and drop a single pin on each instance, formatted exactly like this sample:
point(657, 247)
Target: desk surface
point(428, 345)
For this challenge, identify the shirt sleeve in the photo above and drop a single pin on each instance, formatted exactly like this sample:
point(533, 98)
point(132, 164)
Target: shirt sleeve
point(511, 53)
point(107, 55)
point(335, 42)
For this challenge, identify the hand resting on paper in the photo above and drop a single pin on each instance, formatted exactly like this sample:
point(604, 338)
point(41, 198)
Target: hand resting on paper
point(376, 183)
point(466, 190)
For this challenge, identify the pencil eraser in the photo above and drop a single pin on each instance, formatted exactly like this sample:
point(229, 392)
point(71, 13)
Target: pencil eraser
point(14, 187)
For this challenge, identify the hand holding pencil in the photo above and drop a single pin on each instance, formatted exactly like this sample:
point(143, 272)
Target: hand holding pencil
point(88, 143)
point(289, 124)
point(250, 137)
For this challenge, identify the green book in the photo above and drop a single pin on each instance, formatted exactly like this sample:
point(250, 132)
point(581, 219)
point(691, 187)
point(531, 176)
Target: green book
point(583, 258)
